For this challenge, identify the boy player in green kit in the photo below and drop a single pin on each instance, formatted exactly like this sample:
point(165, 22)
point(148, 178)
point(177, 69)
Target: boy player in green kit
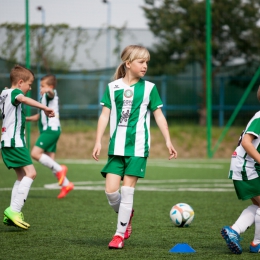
point(13, 147)
point(50, 130)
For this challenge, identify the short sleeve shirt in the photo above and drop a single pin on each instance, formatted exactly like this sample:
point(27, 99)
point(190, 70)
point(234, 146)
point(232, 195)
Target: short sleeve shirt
point(46, 123)
point(243, 166)
point(13, 125)
point(130, 116)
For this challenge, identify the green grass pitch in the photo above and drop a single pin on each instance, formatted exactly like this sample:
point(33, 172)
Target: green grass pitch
point(81, 225)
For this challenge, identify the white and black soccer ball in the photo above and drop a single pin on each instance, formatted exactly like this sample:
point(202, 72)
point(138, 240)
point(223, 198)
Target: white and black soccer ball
point(182, 215)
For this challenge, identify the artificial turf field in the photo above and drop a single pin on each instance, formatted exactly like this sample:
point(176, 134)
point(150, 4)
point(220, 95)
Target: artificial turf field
point(81, 225)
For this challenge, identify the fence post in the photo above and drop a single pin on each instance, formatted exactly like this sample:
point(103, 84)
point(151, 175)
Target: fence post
point(100, 92)
point(221, 101)
point(238, 107)
point(164, 94)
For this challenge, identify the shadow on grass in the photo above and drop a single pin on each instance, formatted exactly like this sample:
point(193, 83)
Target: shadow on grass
point(39, 197)
point(12, 230)
point(90, 241)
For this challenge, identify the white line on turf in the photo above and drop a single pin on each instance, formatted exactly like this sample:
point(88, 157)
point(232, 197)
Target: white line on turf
point(217, 187)
point(203, 185)
point(159, 163)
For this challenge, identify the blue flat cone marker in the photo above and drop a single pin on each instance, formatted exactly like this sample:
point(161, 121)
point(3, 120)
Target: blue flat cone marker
point(182, 248)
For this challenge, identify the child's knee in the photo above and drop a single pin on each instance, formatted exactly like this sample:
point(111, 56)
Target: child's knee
point(34, 155)
point(31, 174)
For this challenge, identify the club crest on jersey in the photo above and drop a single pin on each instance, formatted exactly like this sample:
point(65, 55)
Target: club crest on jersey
point(128, 93)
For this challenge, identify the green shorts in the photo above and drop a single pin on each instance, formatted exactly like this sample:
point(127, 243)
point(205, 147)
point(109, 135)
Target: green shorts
point(15, 157)
point(48, 140)
point(125, 165)
point(247, 189)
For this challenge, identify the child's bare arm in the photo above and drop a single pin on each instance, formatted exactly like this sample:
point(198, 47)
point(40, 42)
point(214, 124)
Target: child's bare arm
point(33, 103)
point(248, 146)
point(33, 118)
point(101, 127)
point(162, 124)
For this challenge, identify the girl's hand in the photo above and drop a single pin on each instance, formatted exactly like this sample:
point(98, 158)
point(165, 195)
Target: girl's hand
point(173, 153)
point(96, 151)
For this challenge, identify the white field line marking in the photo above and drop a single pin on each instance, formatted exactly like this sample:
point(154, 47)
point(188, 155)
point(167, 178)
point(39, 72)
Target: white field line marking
point(191, 166)
point(203, 185)
point(184, 189)
point(140, 188)
point(217, 185)
point(161, 181)
point(150, 160)
point(183, 180)
point(150, 188)
point(160, 163)
point(214, 185)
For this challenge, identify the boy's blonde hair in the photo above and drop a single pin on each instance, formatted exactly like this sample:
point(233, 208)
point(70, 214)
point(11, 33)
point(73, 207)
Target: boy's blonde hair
point(50, 80)
point(130, 53)
point(19, 72)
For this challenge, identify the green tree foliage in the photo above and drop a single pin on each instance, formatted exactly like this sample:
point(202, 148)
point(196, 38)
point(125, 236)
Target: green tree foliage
point(180, 27)
point(53, 47)
point(42, 44)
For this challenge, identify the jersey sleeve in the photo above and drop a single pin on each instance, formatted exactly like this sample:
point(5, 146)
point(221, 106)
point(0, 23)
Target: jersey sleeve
point(155, 100)
point(106, 100)
point(15, 93)
point(254, 127)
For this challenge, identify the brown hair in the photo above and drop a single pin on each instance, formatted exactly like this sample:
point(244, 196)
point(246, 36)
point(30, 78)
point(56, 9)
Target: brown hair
point(130, 53)
point(50, 80)
point(19, 72)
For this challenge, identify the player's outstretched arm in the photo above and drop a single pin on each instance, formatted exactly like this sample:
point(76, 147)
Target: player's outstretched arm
point(163, 126)
point(33, 103)
point(101, 127)
point(49, 112)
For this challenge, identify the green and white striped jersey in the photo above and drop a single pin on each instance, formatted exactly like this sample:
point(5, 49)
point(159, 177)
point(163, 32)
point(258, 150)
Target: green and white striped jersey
point(130, 116)
point(13, 125)
point(244, 167)
point(46, 123)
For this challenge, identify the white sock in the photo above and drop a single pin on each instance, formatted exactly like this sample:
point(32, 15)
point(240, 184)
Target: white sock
point(246, 219)
point(125, 209)
point(22, 193)
point(114, 200)
point(65, 182)
point(14, 190)
point(257, 227)
point(50, 163)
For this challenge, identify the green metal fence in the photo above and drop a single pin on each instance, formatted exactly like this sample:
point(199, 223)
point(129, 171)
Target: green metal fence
point(182, 96)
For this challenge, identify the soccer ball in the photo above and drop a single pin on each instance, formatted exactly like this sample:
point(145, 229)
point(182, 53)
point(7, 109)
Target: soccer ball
point(182, 214)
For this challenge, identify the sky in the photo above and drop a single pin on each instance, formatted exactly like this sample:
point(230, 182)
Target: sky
point(76, 13)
